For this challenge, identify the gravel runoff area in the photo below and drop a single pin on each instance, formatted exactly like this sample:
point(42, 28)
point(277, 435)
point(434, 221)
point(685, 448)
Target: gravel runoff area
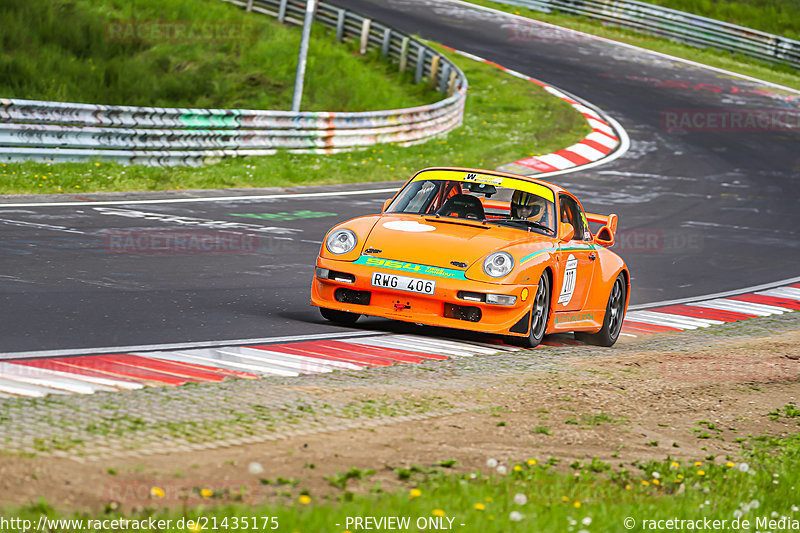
point(642, 398)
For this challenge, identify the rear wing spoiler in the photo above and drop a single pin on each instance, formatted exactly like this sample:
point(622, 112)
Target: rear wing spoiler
point(605, 235)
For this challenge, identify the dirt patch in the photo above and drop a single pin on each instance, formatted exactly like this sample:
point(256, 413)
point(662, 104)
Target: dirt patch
point(630, 403)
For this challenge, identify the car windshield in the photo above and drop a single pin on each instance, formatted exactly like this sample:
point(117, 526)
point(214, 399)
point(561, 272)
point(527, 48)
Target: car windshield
point(525, 207)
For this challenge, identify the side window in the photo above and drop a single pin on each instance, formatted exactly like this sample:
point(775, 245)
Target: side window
point(572, 214)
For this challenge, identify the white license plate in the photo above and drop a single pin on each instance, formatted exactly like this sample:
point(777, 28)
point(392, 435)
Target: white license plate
point(403, 283)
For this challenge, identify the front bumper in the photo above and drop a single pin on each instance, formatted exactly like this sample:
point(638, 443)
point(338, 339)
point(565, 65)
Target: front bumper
point(351, 290)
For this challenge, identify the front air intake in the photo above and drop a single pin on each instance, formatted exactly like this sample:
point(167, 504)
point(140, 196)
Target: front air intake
point(462, 312)
point(350, 296)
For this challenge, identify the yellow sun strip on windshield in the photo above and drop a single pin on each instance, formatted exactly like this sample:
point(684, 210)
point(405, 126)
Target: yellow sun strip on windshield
point(499, 181)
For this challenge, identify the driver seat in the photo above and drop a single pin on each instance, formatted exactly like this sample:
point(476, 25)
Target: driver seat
point(463, 206)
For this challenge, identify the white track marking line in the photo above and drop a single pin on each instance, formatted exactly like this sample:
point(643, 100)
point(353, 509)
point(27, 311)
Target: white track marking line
point(447, 344)
point(223, 356)
point(626, 45)
point(40, 226)
point(790, 293)
point(739, 307)
point(736, 292)
point(580, 108)
point(276, 354)
point(766, 308)
point(692, 321)
point(658, 322)
point(498, 348)
point(307, 366)
point(186, 345)
point(586, 151)
point(105, 382)
point(601, 126)
point(387, 342)
point(206, 199)
point(601, 138)
point(205, 361)
point(555, 160)
point(17, 388)
point(26, 374)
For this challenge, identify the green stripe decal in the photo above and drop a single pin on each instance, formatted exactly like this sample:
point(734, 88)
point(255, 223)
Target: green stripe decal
point(534, 254)
point(578, 247)
point(410, 267)
point(555, 249)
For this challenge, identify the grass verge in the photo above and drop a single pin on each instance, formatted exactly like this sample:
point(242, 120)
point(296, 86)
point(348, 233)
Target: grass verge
point(781, 17)
point(185, 53)
point(756, 493)
point(505, 119)
point(781, 74)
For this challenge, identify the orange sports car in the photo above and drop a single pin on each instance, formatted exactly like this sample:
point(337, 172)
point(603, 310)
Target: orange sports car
point(478, 250)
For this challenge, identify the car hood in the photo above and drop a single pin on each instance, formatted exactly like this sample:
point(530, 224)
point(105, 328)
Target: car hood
point(441, 242)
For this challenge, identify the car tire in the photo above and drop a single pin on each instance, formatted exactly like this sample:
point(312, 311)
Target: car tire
point(340, 317)
point(540, 314)
point(612, 322)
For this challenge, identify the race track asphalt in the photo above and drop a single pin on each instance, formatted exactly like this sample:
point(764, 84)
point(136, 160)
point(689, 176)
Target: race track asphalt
point(702, 210)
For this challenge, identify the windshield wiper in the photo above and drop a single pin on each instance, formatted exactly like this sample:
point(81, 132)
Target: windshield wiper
point(514, 221)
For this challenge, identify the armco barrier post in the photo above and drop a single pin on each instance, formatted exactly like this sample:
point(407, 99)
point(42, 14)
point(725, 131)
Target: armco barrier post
point(387, 41)
point(420, 63)
point(434, 70)
point(282, 10)
point(403, 54)
point(340, 25)
point(364, 36)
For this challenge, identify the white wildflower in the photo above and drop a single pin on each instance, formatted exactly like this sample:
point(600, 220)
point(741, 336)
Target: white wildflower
point(520, 499)
point(255, 468)
point(515, 516)
point(491, 462)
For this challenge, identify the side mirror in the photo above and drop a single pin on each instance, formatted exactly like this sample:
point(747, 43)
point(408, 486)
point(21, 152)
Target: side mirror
point(566, 231)
point(604, 237)
point(386, 204)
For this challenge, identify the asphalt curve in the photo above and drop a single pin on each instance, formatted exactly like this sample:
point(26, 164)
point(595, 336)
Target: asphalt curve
point(702, 210)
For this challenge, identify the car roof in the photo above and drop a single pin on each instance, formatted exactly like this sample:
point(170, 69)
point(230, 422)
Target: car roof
point(555, 188)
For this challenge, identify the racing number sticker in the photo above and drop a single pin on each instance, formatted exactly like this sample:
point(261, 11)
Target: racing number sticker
point(568, 287)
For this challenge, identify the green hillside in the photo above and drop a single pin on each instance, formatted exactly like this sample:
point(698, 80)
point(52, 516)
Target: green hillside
point(184, 53)
point(781, 17)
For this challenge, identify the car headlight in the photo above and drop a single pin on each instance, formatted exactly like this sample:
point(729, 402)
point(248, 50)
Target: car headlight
point(498, 264)
point(341, 241)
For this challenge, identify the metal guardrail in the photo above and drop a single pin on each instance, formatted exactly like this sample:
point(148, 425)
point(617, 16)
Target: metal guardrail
point(678, 25)
point(59, 132)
